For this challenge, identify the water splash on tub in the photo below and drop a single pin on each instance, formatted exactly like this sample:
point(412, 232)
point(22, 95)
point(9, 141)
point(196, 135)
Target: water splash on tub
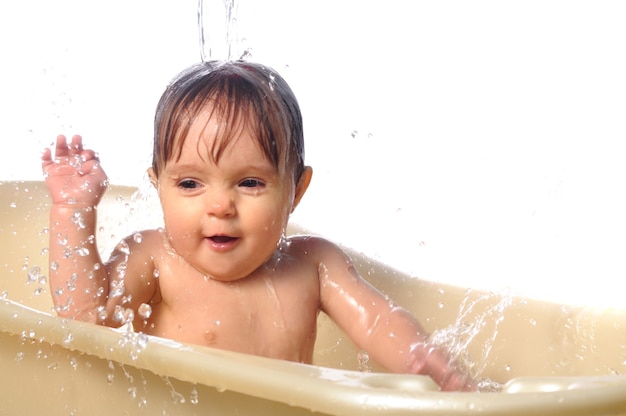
point(476, 316)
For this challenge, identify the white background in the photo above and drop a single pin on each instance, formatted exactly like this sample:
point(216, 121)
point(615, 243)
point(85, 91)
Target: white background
point(479, 143)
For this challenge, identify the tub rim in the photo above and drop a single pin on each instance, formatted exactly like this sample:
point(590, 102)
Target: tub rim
point(321, 389)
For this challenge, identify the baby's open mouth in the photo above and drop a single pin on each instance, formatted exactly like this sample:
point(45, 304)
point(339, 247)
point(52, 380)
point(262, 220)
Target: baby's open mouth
point(221, 239)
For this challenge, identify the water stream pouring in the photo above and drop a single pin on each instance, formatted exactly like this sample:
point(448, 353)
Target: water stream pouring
point(217, 26)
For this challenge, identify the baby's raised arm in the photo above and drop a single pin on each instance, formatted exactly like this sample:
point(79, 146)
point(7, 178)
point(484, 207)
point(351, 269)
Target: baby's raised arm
point(82, 286)
point(389, 333)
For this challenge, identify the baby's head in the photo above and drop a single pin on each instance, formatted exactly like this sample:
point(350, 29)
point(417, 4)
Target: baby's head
point(242, 95)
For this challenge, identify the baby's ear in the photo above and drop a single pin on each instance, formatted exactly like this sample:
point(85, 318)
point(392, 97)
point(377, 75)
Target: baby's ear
point(153, 177)
point(301, 186)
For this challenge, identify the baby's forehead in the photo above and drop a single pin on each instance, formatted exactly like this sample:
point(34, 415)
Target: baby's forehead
point(210, 134)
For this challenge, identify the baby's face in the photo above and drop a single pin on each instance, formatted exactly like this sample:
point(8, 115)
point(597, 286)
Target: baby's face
point(226, 218)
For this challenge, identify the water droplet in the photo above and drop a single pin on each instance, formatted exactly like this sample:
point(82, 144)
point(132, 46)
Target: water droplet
point(137, 237)
point(193, 396)
point(111, 373)
point(363, 357)
point(81, 251)
point(123, 247)
point(34, 274)
point(13, 205)
point(123, 315)
point(117, 288)
point(54, 266)
point(144, 310)
point(78, 219)
point(102, 313)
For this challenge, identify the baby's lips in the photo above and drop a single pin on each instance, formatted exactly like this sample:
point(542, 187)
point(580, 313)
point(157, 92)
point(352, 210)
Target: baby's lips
point(222, 238)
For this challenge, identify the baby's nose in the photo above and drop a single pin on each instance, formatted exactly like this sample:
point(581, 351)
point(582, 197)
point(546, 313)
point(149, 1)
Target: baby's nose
point(221, 204)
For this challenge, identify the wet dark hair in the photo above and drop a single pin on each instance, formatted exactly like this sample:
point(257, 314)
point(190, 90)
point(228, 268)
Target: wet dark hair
point(243, 95)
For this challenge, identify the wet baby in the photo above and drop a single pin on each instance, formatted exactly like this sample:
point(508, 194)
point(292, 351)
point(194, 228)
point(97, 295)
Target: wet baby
point(228, 166)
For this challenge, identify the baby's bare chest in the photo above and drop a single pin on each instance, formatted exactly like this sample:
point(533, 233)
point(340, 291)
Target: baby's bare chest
point(273, 316)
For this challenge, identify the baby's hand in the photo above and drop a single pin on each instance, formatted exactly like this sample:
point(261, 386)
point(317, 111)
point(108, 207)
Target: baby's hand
point(74, 176)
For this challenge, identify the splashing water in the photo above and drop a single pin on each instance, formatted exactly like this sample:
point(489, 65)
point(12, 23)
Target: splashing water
point(457, 338)
point(217, 25)
point(364, 362)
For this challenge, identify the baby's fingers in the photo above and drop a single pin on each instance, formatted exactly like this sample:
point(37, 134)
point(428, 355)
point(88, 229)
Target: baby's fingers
point(88, 154)
point(46, 155)
point(77, 144)
point(61, 149)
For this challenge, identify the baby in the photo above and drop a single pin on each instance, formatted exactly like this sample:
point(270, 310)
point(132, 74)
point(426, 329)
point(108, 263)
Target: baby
point(228, 165)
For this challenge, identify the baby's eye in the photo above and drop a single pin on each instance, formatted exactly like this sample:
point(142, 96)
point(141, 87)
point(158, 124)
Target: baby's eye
point(251, 183)
point(188, 184)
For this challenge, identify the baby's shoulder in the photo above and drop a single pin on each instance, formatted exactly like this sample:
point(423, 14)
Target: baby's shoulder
point(315, 247)
point(150, 241)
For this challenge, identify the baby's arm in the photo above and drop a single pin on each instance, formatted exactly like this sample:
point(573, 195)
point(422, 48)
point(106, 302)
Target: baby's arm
point(389, 333)
point(80, 282)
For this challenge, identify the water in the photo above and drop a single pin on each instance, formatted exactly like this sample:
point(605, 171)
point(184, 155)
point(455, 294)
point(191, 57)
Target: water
point(217, 26)
point(461, 332)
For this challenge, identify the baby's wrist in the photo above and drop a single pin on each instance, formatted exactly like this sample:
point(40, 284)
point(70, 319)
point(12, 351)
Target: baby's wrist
point(72, 206)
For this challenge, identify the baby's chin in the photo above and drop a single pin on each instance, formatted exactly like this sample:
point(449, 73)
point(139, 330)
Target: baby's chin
point(237, 276)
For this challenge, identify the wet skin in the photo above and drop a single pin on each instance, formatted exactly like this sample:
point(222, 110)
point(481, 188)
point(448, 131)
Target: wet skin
point(222, 273)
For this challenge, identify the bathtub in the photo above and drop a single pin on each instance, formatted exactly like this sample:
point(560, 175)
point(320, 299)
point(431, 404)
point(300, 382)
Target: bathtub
point(550, 358)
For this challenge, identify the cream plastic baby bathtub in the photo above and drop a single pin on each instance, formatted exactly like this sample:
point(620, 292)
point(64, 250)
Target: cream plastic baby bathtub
point(552, 359)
